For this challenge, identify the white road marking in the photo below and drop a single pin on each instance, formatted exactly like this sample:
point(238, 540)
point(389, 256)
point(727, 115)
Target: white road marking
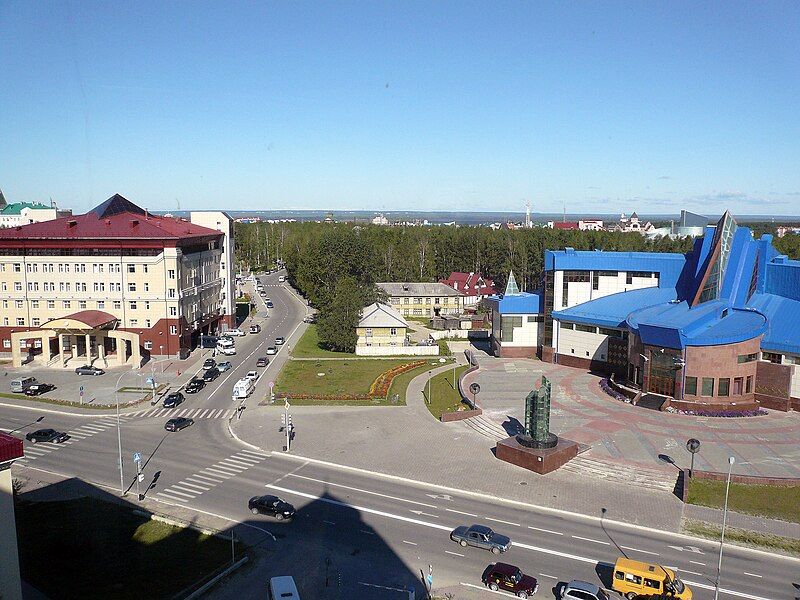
point(171, 497)
point(693, 573)
point(461, 512)
point(577, 537)
point(329, 522)
point(367, 532)
point(258, 455)
point(545, 530)
point(239, 462)
point(486, 589)
point(215, 479)
point(454, 553)
point(247, 459)
point(642, 551)
point(202, 414)
point(501, 521)
point(753, 575)
point(411, 543)
point(420, 513)
point(213, 471)
point(546, 575)
point(192, 480)
point(347, 487)
point(382, 587)
point(171, 490)
point(694, 562)
point(226, 467)
point(191, 487)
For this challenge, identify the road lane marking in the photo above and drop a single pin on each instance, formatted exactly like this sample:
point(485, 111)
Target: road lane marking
point(191, 487)
point(460, 512)
point(171, 497)
point(259, 455)
point(501, 521)
point(212, 478)
point(411, 543)
point(171, 490)
point(192, 480)
point(347, 487)
point(213, 471)
point(247, 459)
point(545, 530)
point(753, 575)
point(640, 550)
point(329, 522)
point(577, 537)
point(486, 589)
point(382, 587)
point(546, 575)
point(367, 532)
point(694, 562)
point(239, 462)
point(454, 553)
point(202, 414)
point(226, 467)
point(693, 573)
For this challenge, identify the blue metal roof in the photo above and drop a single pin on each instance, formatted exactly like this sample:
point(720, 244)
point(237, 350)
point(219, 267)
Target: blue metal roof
point(524, 303)
point(611, 311)
point(667, 265)
point(783, 277)
point(783, 317)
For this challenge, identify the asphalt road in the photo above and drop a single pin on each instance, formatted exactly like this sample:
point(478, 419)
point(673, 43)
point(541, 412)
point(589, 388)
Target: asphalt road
point(361, 535)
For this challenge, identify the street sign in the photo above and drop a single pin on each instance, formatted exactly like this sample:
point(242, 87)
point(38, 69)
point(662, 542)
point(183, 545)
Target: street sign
point(287, 404)
point(140, 476)
point(271, 385)
point(137, 457)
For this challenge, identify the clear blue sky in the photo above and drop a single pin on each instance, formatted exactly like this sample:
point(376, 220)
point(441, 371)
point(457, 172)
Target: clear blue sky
point(653, 106)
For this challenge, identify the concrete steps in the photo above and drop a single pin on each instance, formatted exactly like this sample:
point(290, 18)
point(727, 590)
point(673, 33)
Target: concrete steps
point(485, 427)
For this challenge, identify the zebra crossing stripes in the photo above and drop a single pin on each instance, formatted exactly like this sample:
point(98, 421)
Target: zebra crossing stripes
point(33, 451)
point(191, 413)
point(210, 477)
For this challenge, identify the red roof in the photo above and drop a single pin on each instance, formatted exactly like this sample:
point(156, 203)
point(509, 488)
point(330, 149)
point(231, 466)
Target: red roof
point(92, 318)
point(565, 225)
point(10, 447)
point(471, 284)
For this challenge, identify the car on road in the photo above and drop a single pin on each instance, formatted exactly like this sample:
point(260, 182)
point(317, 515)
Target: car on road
point(173, 400)
point(224, 366)
point(211, 374)
point(47, 435)
point(255, 328)
point(235, 333)
point(634, 578)
point(195, 385)
point(262, 361)
point(178, 423)
point(271, 506)
point(282, 278)
point(481, 536)
point(252, 375)
point(37, 389)
point(270, 304)
point(279, 341)
point(502, 576)
point(263, 294)
point(89, 370)
point(310, 319)
point(272, 350)
point(583, 590)
point(209, 363)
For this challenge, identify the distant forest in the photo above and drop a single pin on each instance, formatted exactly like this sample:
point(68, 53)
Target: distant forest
point(317, 255)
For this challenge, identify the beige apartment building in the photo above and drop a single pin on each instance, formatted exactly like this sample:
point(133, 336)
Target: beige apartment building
point(114, 285)
point(423, 299)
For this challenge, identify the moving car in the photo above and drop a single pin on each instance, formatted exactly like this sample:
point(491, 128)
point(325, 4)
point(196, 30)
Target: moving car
point(37, 389)
point(279, 341)
point(262, 361)
point(224, 366)
point(226, 346)
point(283, 588)
point(282, 278)
point(211, 374)
point(481, 536)
point(178, 423)
point(582, 590)
point(209, 363)
point(272, 350)
point(252, 375)
point(89, 370)
point(634, 578)
point(502, 576)
point(195, 384)
point(243, 388)
point(255, 328)
point(235, 332)
point(270, 304)
point(21, 384)
point(47, 435)
point(271, 506)
point(173, 400)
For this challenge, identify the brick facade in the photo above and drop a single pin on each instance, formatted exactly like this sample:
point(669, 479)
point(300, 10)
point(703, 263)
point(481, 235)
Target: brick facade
point(773, 385)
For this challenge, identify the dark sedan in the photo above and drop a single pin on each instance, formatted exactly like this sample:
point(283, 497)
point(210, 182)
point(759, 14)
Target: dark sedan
point(47, 435)
point(38, 389)
point(209, 363)
point(262, 361)
point(211, 374)
point(178, 423)
point(89, 370)
point(271, 506)
point(195, 385)
point(173, 400)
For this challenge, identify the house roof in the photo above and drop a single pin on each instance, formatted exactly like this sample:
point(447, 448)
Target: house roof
point(470, 283)
point(418, 289)
point(381, 315)
point(84, 319)
point(783, 322)
point(18, 207)
point(10, 447)
point(565, 225)
point(523, 303)
point(668, 265)
point(612, 310)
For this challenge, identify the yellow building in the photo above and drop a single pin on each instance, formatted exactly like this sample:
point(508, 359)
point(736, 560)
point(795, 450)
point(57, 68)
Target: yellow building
point(381, 325)
point(423, 299)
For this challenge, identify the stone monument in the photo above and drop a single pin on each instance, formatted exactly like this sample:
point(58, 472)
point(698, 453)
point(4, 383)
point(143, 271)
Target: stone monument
point(536, 448)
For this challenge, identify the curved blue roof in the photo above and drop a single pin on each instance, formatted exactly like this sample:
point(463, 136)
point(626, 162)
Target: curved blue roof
point(783, 315)
point(611, 311)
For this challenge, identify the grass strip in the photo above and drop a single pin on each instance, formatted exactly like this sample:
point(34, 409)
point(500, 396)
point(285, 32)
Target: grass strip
point(771, 501)
point(743, 537)
point(441, 392)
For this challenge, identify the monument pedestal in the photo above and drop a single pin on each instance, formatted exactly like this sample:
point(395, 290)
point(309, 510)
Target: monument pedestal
point(538, 460)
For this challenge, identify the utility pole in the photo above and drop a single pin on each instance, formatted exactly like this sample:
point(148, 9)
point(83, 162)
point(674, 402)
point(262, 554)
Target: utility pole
point(731, 460)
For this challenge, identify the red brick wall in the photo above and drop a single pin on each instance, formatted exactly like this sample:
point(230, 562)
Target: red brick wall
point(517, 352)
point(720, 362)
point(548, 353)
point(579, 362)
point(774, 385)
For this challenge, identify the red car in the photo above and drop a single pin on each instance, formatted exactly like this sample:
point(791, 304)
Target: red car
point(501, 576)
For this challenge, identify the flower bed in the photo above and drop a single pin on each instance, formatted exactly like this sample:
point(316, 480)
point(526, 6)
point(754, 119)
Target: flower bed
point(606, 387)
point(722, 413)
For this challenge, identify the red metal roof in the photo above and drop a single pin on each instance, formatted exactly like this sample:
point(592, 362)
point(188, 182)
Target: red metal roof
point(565, 225)
point(470, 283)
point(10, 447)
point(92, 318)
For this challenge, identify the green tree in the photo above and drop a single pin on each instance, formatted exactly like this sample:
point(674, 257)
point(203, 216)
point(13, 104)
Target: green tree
point(338, 319)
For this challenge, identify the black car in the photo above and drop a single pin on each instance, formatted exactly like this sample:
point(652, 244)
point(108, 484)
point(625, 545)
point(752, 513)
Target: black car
point(47, 435)
point(270, 305)
point(271, 506)
point(211, 375)
point(195, 385)
point(178, 423)
point(262, 361)
point(89, 370)
point(209, 363)
point(173, 400)
point(37, 389)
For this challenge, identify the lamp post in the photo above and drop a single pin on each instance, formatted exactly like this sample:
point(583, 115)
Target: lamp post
point(693, 446)
point(731, 460)
point(119, 436)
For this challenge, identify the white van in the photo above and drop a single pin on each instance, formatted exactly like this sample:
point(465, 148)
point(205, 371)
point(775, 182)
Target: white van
point(226, 346)
point(19, 386)
point(282, 278)
point(243, 388)
point(283, 588)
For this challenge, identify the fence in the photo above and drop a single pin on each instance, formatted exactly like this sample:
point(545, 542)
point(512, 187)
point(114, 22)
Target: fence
point(397, 350)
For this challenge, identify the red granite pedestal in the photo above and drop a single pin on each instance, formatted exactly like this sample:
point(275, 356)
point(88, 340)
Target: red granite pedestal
point(538, 460)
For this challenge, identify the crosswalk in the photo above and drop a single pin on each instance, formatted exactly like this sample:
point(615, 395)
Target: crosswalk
point(191, 413)
point(33, 451)
point(202, 481)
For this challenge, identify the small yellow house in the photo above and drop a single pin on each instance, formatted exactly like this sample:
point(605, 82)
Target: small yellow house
point(381, 325)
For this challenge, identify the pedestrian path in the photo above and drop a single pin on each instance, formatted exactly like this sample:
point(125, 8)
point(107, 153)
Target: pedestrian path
point(33, 451)
point(191, 413)
point(206, 479)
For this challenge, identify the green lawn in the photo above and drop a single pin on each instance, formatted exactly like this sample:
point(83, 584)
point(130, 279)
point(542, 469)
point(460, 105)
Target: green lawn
point(743, 537)
point(777, 502)
point(400, 383)
point(87, 548)
point(308, 347)
point(441, 395)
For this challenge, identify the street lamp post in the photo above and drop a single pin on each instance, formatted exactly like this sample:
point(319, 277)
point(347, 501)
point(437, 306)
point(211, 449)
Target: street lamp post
point(119, 436)
point(731, 460)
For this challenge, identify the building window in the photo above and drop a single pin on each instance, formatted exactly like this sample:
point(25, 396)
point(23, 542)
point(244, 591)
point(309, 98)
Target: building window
point(629, 277)
point(507, 330)
point(144, 268)
point(80, 268)
point(171, 273)
point(748, 385)
point(17, 268)
point(173, 330)
point(5, 321)
point(82, 304)
point(131, 268)
point(393, 331)
point(20, 321)
point(724, 388)
point(51, 304)
point(131, 287)
point(148, 345)
point(173, 311)
point(417, 312)
point(146, 287)
point(569, 326)
point(708, 386)
point(772, 357)
point(65, 304)
point(101, 305)
point(34, 304)
point(147, 323)
point(417, 300)
point(117, 305)
point(6, 343)
point(746, 358)
point(5, 303)
point(132, 305)
point(17, 286)
point(738, 385)
point(586, 328)
point(147, 305)
point(134, 322)
point(171, 293)
point(690, 389)
point(35, 322)
point(18, 303)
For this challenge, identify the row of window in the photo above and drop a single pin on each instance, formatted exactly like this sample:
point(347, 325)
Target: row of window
point(79, 268)
point(66, 286)
point(368, 331)
point(37, 322)
point(421, 301)
point(741, 385)
point(83, 304)
point(592, 329)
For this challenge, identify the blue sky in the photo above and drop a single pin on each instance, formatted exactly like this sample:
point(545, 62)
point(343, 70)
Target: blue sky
point(403, 105)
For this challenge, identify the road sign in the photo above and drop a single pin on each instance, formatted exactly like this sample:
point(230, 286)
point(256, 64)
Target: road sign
point(140, 476)
point(271, 385)
point(287, 404)
point(81, 389)
point(137, 457)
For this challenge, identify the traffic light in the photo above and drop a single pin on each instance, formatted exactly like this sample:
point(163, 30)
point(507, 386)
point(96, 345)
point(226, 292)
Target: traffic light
point(283, 419)
point(289, 425)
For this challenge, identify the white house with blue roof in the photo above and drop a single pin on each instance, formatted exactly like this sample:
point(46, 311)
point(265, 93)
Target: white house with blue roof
point(717, 328)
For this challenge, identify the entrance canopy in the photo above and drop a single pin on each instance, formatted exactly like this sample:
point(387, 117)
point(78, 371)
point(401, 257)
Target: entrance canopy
point(83, 321)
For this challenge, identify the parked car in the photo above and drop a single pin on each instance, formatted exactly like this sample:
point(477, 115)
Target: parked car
point(271, 506)
point(195, 385)
point(209, 363)
point(37, 389)
point(211, 374)
point(255, 328)
point(279, 341)
point(582, 590)
point(252, 375)
point(262, 361)
point(481, 536)
point(224, 366)
point(501, 576)
point(235, 333)
point(272, 350)
point(47, 435)
point(270, 304)
point(173, 400)
point(89, 370)
point(178, 423)
point(310, 319)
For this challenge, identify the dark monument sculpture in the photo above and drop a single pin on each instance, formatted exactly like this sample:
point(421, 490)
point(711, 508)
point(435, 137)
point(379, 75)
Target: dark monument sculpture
point(537, 449)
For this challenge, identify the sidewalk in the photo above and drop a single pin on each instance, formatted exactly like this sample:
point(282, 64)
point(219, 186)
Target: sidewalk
point(749, 522)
